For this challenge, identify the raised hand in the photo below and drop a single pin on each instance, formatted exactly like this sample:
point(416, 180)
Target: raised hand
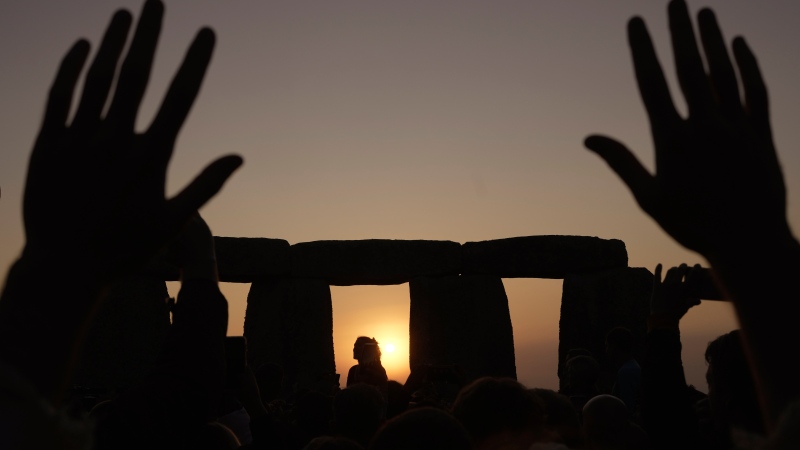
point(94, 204)
point(718, 181)
point(718, 187)
point(95, 187)
point(671, 299)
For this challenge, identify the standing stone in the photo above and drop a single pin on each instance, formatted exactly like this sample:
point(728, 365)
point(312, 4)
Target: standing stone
point(462, 320)
point(290, 322)
point(126, 335)
point(592, 304)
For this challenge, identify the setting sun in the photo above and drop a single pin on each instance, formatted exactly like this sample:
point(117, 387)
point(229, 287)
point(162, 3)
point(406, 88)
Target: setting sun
point(389, 348)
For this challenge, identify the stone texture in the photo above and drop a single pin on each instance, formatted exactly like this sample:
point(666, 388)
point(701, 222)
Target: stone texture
point(594, 303)
point(374, 261)
point(126, 335)
point(240, 260)
point(263, 320)
point(290, 322)
point(462, 320)
point(542, 256)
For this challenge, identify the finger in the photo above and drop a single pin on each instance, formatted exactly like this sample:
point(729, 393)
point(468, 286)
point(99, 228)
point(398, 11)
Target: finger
point(755, 90)
point(650, 78)
point(201, 189)
point(101, 73)
point(59, 100)
point(674, 276)
point(723, 77)
point(135, 72)
point(682, 269)
point(625, 165)
point(182, 92)
point(691, 74)
point(692, 278)
point(657, 278)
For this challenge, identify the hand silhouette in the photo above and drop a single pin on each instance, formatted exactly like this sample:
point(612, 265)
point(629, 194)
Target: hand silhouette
point(671, 298)
point(718, 181)
point(95, 187)
point(718, 187)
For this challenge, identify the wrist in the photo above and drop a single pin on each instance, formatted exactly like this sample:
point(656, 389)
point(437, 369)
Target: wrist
point(663, 321)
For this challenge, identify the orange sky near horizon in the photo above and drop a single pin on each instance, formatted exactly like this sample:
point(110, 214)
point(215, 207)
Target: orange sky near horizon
point(421, 119)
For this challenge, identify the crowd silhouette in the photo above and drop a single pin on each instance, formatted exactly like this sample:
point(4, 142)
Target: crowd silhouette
point(717, 189)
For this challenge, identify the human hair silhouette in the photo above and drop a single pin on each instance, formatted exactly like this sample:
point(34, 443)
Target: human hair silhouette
point(397, 399)
point(562, 421)
point(369, 369)
point(359, 410)
point(718, 188)
point(500, 412)
point(423, 428)
point(582, 376)
point(731, 388)
point(606, 425)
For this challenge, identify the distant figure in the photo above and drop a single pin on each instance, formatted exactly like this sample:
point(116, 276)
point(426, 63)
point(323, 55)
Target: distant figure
point(583, 372)
point(369, 369)
point(422, 428)
point(732, 398)
point(359, 410)
point(562, 422)
point(620, 344)
point(606, 426)
point(500, 413)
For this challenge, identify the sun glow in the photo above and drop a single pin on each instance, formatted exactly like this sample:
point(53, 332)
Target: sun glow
point(358, 311)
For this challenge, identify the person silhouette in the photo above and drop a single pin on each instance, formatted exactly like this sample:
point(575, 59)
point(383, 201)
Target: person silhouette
point(369, 369)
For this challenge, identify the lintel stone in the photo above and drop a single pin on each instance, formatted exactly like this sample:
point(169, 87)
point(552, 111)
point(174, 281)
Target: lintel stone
point(543, 256)
point(240, 260)
point(374, 261)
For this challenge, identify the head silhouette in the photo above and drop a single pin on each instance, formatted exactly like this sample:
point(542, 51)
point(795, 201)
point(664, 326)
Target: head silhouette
point(731, 388)
point(366, 348)
point(605, 423)
point(500, 412)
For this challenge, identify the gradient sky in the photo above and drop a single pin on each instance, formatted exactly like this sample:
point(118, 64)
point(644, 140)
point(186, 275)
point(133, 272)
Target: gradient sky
point(416, 119)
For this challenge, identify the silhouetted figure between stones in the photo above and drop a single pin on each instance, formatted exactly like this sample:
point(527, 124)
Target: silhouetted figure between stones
point(369, 369)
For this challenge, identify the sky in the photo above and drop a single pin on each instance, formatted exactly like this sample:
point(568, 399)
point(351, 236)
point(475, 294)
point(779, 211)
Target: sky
point(417, 119)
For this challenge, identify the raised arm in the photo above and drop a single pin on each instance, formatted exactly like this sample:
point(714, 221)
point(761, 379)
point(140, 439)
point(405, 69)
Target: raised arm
point(94, 203)
point(718, 187)
point(667, 407)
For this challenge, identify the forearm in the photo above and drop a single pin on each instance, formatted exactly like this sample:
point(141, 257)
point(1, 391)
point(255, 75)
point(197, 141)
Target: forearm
point(666, 408)
point(45, 311)
point(761, 282)
point(195, 344)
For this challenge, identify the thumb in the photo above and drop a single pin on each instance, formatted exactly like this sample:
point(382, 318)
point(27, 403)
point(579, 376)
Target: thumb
point(624, 164)
point(202, 188)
